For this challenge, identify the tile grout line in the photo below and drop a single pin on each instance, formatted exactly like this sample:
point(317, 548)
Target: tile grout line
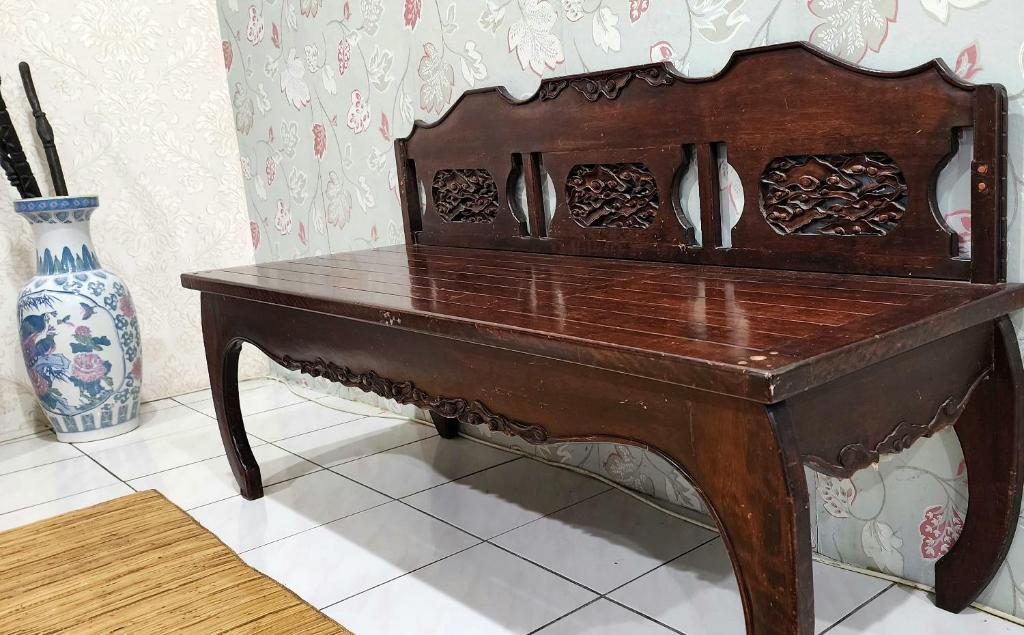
point(32, 467)
point(644, 615)
point(410, 572)
point(562, 617)
point(298, 533)
point(858, 608)
point(663, 564)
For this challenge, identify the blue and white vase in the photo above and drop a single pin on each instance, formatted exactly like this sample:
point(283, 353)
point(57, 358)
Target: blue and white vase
point(78, 329)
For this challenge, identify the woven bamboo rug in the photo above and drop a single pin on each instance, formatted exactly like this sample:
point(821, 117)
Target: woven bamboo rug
point(138, 564)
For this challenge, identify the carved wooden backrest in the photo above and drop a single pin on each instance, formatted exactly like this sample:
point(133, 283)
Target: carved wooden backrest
point(838, 167)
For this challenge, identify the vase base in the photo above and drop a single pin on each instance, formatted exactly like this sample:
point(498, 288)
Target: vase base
point(96, 435)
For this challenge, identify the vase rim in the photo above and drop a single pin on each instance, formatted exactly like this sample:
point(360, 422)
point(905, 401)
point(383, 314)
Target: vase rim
point(56, 203)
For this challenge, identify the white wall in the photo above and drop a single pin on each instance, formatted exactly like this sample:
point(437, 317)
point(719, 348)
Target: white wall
point(136, 93)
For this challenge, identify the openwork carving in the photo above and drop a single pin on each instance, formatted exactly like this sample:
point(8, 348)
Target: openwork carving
point(608, 85)
point(612, 195)
point(838, 194)
point(465, 196)
point(404, 392)
point(857, 456)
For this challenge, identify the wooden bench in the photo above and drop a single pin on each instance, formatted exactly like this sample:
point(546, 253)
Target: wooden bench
point(832, 324)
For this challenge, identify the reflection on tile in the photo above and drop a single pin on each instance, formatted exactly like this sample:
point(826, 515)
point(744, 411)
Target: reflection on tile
point(211, 480)
point(266, 397)
point(33, 451)
point(355, 439)
point(294, 420)
point(697, 593)
point(482, 590)
point(243, 386)
point(605, 541)
point(902, 611)
point(286, 509)
point(604, 618)
point(162, 453)
point(49, 482)
point(417, 466)
point(28, 515)
point(152, 425)
point(338, 560)
point(504, 497)
point(158, 404)
point(353, 407)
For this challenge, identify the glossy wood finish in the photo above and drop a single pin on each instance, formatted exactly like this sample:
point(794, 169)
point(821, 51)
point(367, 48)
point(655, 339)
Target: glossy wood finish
point(611, 323)
point(759, 334)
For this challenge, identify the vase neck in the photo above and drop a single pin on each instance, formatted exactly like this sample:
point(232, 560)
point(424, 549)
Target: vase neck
point(64, 248)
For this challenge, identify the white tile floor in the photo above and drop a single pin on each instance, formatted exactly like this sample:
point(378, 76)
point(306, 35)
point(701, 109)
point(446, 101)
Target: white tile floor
point(389, 529)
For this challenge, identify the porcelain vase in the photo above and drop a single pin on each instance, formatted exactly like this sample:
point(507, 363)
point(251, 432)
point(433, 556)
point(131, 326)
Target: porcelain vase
point(78, 329)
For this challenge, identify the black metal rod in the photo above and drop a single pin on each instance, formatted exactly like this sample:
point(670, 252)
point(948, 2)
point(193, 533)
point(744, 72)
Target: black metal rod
point(12, 157)
point(44, 131)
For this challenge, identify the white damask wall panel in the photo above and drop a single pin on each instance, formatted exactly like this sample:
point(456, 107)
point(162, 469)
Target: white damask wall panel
point(136, 94)
point(320, 88)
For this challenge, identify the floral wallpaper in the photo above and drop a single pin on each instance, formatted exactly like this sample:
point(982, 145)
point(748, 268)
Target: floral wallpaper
point(136, 95)
point(320, 88)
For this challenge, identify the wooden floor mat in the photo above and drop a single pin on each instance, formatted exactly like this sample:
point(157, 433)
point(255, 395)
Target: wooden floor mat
point(138, 564)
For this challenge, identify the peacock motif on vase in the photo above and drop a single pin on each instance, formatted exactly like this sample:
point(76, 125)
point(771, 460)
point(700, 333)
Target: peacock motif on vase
point(78, 327)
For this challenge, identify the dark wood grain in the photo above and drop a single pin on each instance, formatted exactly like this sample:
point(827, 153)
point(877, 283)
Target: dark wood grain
point(840, 326)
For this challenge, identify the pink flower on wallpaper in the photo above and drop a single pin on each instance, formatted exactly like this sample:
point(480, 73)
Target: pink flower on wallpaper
point(412, 13)
point(438, 79)
point(852, 27)
point(344, 56)
point(319, 140)
point(385, 129)
point(125, 306)
point(302, 232)
point(967, 62)
point(88, 367)
point(960, 222)
point(373, 234)
point(137, 369)
point(254, 231)
point(620, 464)
point(228, 54)
point(637, 8)
point(271, 171)
point(358, 113)
point(662, 51)
point(275, 35)
point(939, 531)
point(346, 11)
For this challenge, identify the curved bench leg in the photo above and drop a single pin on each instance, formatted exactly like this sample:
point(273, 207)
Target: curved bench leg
point(447, 428)
point(222, 362)
point(991, 432)
point(748, 468)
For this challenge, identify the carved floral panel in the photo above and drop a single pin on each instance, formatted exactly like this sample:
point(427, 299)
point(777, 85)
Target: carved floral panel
point(621, 195)
point(465, 196)
point(836, 194)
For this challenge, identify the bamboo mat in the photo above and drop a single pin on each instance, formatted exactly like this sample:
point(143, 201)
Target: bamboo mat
point(138, 564)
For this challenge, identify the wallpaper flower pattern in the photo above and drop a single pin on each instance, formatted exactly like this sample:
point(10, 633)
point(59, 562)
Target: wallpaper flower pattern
point(135, 92)
point(321, 88)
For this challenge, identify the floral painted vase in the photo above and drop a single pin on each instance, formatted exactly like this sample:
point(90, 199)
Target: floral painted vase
point(78, 329)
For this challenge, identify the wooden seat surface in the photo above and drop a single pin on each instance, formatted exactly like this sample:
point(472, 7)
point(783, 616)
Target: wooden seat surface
point(760, 334)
